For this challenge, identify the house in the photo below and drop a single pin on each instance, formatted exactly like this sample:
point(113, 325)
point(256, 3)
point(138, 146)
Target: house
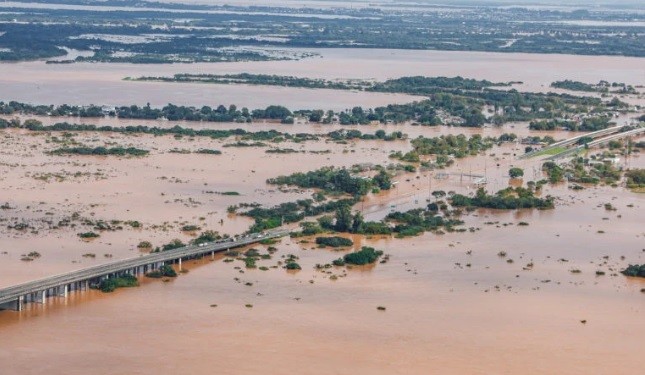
point(613, 161)
point(300, 120)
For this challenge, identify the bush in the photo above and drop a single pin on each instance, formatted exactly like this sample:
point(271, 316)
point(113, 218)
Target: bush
point(163, 271)
point(335, 241)
point(101, 151)
point(250, 262)
point(206, 236)
point(634, 270)
point(635, 177)
point(508, 199)
point(88, 235)
point(365, 256)
point(516, 172)
point(125, 281)
point(174, 244)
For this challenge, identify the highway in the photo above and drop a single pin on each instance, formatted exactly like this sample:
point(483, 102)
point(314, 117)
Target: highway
point(130, 265)
point(572, 140)
point(597, 142)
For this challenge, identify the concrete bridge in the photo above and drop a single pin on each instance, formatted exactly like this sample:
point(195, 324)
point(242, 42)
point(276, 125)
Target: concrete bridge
point(600, 141)
point(572, 140)
point(14, 297)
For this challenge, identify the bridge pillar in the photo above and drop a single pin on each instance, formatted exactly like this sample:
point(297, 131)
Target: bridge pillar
point(15, 305)
point(212, 255)
point(180, 264)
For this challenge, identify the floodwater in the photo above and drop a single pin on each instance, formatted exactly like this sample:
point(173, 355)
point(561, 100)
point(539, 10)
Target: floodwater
point(442, 315)
point(90, 83)
point(99, 8)
point(452, 304)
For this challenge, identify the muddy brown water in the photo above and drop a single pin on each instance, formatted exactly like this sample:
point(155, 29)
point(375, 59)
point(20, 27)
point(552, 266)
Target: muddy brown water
point(90, 83)
point(452, 304)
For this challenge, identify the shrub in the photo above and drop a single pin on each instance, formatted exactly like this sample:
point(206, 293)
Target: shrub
point(125, 281)
point(334, 241)
point(516, 172)
point(634, 270)
point(365, 256)
point(88, 235)
point(163, 271)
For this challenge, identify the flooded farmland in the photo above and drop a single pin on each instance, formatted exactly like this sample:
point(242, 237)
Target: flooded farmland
point(450, 302)
point(102, 84)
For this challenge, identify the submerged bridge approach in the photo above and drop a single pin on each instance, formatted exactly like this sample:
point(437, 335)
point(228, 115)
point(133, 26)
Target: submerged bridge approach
point(570, 141)
point(14, 297)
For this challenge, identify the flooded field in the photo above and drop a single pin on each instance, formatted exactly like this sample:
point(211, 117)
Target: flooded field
point(102, 84)
point(451, 303)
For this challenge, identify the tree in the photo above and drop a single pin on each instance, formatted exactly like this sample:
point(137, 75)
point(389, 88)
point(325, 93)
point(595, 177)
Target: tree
point(357, 223)
point(316, 116)
point(438, 193)
point(584, 140)
point(343, 219)
point(516, 172)
point(276, 112)
point(382, 180)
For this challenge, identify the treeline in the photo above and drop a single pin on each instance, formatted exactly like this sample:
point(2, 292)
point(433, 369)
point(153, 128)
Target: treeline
point(13, 107)
point(260, 79)
point(436, 217)
point(417, 221)
point(421, 85)
point(586, 124)
point(458, 146)
point(602, 87)
point(350, 134)
point(291, 212)
point(446, 148)
point(338, 180)
point(418, 85)
point(635, 178)
point(221, 113)
point(453, 101)
point(100, 151)
point(509, 198)
point(262, 135)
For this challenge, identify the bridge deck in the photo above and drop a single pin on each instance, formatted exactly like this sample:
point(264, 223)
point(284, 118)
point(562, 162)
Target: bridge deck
point(12, 293)
point(572, 140)
point(573, 150)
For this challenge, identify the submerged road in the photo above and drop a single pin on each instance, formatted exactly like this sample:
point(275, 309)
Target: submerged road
point(13, 297)
point(571, 141)
point(599, 141)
